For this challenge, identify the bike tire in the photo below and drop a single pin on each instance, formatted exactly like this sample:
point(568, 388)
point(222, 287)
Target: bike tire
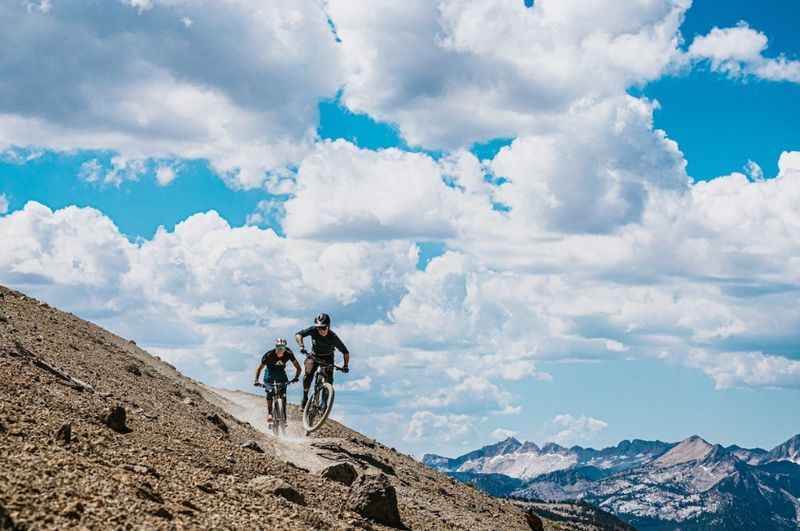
point(322, 415)
point(277, 416)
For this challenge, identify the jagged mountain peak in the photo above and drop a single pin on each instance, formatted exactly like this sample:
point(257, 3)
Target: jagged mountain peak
point(692, 448)
point(788, 451)
point(529, 447)
point(552, 448)
point(509, 441)
point(507, 445)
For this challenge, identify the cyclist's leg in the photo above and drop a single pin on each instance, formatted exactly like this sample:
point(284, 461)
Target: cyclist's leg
point(270, 396)
point(285, 411)
point(308, 377)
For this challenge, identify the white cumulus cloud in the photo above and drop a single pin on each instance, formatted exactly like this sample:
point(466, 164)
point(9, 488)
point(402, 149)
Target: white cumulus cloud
point(574, 430)
point(502, 433)
point(739, 51)
point(145, 87)
point(428, 425)
point(453, 72)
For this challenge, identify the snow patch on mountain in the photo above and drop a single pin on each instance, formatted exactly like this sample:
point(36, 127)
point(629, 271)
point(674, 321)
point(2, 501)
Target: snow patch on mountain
point(521, 465)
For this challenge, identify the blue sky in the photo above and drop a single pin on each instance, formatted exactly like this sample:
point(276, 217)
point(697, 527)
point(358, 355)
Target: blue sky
point(499, 240)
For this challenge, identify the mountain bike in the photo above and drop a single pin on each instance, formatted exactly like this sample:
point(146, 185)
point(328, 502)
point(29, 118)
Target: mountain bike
point(320, 402)
point(278, 425)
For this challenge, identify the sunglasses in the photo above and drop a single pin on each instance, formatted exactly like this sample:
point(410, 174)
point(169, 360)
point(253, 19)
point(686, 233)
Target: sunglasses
point(322, 328)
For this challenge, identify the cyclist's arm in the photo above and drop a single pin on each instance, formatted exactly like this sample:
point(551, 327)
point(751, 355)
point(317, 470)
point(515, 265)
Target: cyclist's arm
point(297, 368)
point(343, 350)
point(258, 371)
point(299, 338)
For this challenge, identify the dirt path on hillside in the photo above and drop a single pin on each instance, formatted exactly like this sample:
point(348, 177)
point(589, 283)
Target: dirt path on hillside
point(296, 448)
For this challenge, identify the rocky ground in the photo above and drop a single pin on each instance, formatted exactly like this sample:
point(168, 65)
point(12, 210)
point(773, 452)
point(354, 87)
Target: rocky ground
point(97, 434)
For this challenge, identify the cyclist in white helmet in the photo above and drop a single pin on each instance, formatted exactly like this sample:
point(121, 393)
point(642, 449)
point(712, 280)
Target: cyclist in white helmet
point(275, 361)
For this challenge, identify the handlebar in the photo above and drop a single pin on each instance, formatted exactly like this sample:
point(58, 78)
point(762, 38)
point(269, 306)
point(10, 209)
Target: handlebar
point(325, 363)
point(276, 384)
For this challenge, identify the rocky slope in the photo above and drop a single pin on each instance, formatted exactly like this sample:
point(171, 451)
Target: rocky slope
point(96, 434)
point(691, 485)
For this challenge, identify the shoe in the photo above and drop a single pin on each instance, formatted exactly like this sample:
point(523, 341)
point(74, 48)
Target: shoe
point(269, 419)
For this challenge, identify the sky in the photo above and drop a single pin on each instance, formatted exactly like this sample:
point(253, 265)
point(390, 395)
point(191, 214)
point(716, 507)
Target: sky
point(559, 221)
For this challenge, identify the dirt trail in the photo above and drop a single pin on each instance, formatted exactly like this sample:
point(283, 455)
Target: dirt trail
point(295, 448)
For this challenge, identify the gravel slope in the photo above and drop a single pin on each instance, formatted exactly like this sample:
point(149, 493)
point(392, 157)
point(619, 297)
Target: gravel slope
point(178, 466)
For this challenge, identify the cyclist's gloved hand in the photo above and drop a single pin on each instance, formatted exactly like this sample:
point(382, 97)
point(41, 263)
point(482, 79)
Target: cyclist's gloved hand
point(345, 369)
point(303, 351)
point(295, 380)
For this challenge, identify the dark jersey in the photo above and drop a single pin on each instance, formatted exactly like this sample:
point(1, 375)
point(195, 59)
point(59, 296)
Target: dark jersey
point(276, 367)
point(323, 346)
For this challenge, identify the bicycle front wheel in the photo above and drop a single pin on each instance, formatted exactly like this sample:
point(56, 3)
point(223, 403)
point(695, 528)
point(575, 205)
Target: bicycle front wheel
point(277, 416)
point(318, 408)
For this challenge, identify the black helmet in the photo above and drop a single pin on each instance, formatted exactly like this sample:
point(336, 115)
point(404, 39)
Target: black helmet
point(322, 319)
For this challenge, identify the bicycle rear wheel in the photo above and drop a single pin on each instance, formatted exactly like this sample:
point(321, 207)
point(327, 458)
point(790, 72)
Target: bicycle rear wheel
point(314, 415)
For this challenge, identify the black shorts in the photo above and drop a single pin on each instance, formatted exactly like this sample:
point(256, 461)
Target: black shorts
point(311, 366)
point(271, 390)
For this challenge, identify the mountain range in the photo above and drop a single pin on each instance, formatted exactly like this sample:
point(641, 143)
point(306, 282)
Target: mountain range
point(654, 485)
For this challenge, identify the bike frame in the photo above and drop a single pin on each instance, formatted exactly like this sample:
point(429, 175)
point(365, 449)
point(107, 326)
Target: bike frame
point(319, 378)
point(279, 393)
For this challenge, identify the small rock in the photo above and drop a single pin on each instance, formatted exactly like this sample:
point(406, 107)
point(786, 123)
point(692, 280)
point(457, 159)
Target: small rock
point(252, 445)
point(64, 433)
point(343, 473)
point(189, 402)
point(163, 513)
point(206, 487)
point(141, 469)
point(116, 419)
point(276, 487)
point(133, 369)
point(218, 422)
point(190, 505)
point(75, 511)
point(534, 522)
point(374, 497)
point(146, 492)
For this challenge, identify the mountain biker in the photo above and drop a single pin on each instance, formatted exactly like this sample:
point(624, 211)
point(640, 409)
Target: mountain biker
point(324, 342)
point(275, 362)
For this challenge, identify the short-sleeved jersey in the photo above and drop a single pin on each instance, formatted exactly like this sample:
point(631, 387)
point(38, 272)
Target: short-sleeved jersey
point(323, 346)
point(277, 366)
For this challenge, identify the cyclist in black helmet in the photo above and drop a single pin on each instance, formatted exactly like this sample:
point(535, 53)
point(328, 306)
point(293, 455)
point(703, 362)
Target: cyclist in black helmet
point(324, 342)
point(275, 361)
